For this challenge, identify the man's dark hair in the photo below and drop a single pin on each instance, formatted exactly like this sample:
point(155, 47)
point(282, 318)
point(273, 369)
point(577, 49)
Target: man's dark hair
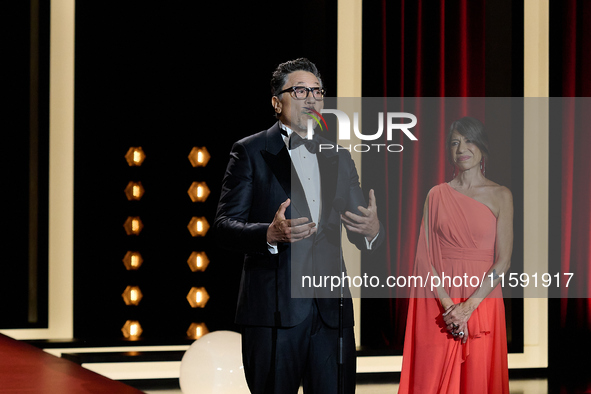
point(282, 71)
point(471, 129)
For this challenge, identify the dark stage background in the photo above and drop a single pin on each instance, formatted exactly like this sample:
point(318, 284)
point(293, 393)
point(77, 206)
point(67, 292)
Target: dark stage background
point(24, 38)
point(570, 187)
point(167, 78)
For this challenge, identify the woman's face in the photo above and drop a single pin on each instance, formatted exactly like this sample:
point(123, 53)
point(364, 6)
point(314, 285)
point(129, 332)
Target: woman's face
point(464, 153)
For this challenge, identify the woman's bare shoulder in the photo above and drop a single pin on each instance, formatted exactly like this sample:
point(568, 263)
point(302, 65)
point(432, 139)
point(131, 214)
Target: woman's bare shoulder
point(500, 194)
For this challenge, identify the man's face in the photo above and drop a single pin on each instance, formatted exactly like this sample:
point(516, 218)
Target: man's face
point(292, 112)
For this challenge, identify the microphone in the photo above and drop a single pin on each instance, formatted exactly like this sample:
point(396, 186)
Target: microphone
point(339, 205)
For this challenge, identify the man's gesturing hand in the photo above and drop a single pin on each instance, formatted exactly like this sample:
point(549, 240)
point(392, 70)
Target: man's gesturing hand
point(288, 230)
point(368, 224)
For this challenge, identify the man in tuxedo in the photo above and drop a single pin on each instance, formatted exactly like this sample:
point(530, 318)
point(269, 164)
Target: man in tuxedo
point(282, 205)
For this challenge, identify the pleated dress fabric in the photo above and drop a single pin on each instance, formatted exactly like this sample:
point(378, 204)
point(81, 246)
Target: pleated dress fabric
point(459, 242)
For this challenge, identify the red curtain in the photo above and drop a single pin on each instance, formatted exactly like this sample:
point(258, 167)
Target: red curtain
point(575, 174)
point(437, 49)
point(433, 49)
point(570, 81)
point(429, 49)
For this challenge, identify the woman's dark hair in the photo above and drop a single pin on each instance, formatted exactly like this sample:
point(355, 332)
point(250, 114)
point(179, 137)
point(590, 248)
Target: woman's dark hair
point(472, 129)
point(282, 71)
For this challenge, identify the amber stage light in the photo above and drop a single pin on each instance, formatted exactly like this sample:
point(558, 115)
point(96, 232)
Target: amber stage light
point(133, 225)
point(198, 191)
point(134, 191)
point(135, 156)
point(198, 261)
point(132, 330)
point(197, 330)
point(199, 157)
point(132, 295)
point(197, 297)
point(198, 226)
point(132, 260)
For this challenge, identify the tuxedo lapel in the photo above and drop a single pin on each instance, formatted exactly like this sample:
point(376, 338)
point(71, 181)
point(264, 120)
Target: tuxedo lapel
point(279, 162)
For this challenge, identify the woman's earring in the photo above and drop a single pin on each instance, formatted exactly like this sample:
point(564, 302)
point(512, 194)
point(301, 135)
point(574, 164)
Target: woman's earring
point(483, 166)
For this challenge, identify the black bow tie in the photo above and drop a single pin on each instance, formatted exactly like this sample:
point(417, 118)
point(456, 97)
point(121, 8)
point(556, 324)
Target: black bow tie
point(295, 141)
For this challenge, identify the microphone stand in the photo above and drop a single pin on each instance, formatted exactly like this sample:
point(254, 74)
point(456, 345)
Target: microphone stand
point(340, 386)
point(339, 206)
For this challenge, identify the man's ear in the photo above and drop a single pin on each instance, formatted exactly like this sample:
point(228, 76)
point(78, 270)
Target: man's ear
point(277, 105)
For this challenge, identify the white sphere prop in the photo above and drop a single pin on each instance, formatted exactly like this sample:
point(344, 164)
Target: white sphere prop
point(213, 364)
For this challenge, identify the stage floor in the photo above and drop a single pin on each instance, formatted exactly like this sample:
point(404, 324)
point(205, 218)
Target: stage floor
point(27, 369)
point(528, 386)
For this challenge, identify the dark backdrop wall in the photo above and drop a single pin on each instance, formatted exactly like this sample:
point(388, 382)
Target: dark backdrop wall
point(570, 186)
point(24, 37)
point(168, 78)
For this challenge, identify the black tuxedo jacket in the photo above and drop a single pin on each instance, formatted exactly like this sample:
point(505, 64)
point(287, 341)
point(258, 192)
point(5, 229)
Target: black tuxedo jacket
point(259, 177)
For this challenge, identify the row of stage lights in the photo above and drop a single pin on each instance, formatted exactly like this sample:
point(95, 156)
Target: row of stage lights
point(198, 227)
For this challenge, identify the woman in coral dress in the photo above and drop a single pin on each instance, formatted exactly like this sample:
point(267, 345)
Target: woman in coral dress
point(455, 332)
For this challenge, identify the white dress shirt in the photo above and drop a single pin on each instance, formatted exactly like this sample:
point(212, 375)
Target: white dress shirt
point(306, 166)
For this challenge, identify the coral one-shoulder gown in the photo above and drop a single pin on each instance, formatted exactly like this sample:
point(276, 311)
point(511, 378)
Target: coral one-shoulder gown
point(459, 242)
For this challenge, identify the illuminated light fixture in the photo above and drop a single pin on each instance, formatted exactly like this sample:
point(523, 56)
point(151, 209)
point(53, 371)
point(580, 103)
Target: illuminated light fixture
point(198, 226)
point(198, 261)
point(132, 330)
point(197, 330)
point(198, 191)
point(132, 260)
point(134, 191)
point(135, 156)
point(197, 297)
point(199, 157)
point(132, 295)
point(133, 225)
